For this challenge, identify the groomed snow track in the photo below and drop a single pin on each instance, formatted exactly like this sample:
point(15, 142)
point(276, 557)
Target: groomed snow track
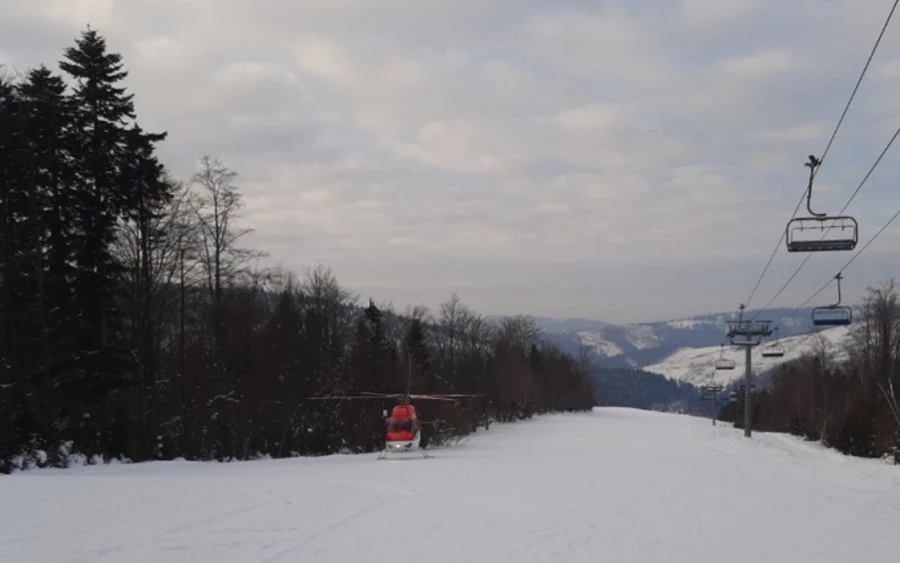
point(615, 485)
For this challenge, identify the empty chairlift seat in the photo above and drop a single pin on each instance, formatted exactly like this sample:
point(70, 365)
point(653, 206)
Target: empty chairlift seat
point(773, 350)
point(832, 315)
point(819, 232)
point(822, 234)
point(724, 363)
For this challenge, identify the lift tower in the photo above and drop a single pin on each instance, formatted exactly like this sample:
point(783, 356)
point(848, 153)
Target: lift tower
point(747, 334)
point(711, 393)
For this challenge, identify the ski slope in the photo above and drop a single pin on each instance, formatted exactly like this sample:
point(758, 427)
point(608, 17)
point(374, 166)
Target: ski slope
point(615, 485)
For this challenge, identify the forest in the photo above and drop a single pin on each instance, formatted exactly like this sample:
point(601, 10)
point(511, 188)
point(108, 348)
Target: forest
point(848, 400)
point(636, 388)
point(136, 324)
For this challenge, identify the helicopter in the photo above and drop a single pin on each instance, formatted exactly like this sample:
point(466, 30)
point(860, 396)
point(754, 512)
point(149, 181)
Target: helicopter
point(403, 427)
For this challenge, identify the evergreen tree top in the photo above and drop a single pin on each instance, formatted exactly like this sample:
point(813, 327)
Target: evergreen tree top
point(97, 71)
point(42, 84)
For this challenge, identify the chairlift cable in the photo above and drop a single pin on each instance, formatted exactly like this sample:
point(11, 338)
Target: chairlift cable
point(775, 251)
point(846, 205)
point(825, 153)
point(858, 82)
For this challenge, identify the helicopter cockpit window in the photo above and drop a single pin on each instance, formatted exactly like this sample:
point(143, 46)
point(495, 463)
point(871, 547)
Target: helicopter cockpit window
point(399, 425)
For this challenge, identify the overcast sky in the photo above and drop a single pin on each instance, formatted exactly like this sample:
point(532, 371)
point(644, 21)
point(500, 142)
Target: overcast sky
point(625, 161)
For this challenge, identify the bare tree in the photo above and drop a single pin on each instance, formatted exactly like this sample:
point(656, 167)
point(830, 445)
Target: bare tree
point(453, 318)
point(327, 328)
point(520, 331)
point(876, 346)
point(150, 249)
point(216, 206)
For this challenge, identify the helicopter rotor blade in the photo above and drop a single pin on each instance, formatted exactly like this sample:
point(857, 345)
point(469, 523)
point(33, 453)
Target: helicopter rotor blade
point(444, 396)
point(449, 395)
point(353, 397)
point(370, 395)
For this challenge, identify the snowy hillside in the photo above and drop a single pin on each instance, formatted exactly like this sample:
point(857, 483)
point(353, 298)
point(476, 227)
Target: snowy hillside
point(613, 485)
point(697, 365)
point(598, 345)
point(642, 344)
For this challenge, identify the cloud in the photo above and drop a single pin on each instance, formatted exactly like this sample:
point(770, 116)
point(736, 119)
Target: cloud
point(599, 159)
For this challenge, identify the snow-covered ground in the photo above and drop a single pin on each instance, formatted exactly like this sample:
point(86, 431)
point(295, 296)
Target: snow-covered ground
point(697, 365)
point(615, 485)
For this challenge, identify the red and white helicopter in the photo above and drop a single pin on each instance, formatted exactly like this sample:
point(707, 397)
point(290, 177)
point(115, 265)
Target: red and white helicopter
point(403, 428)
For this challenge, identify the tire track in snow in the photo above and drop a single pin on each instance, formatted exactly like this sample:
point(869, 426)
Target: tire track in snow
point(201, 521)
point(340, 522)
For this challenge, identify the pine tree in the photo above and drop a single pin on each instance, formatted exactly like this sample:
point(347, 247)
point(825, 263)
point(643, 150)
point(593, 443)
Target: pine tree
point(12, 384)
point(417, 354)
point(369, 363)
point(11, 184)
point(50, 150)
point(45, 123)
point(101, 110)
point(114, 175)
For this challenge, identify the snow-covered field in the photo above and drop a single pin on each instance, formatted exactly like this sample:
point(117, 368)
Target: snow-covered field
point(615, 485)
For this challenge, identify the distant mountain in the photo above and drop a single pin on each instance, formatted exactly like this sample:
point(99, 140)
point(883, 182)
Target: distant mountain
point(561, 326)
point(644, 344)
point(660, 365)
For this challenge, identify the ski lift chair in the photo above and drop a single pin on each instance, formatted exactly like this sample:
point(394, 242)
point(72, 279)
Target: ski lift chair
point(799, 230)
point(833, 315)
point(724, 363)
point(774, 350)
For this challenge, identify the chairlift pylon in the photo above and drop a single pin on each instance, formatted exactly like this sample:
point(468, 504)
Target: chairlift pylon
point(774, 350)
point(833, 315)
point(799, 226)
point(724, 363)
point(749, 332)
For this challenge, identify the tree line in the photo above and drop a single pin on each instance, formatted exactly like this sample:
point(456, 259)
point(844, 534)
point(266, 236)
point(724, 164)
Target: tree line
point(636, 388)
point(848, 399)
point(135, 323)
